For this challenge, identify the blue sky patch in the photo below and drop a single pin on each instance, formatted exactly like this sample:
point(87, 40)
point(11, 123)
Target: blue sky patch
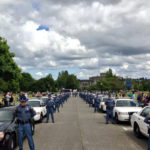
point(43, 27)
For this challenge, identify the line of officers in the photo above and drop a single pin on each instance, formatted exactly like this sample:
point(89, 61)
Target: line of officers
point(94, 100)
point(53, 105)
point(24, 114)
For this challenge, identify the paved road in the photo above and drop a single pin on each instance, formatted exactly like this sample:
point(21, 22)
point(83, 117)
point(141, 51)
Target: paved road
point(78, 128)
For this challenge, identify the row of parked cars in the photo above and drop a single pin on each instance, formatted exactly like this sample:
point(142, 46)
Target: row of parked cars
point(127, 110)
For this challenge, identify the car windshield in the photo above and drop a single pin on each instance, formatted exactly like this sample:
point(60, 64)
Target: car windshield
point(105, 99)
point(44, 99)
point(146, 111)
point(34, 103)
point(6, 115)
point(125, 103)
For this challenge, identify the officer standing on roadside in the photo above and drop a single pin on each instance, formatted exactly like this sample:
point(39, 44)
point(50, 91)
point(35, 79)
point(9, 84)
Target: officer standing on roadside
point(56, 101)
point(109, 109)
point(24, 114)
point(50, 109)
point(96, 104)
point(147, 120)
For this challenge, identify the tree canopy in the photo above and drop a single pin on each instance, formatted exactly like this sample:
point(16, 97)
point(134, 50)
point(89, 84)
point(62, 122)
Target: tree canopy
point(10, 73)
point(67, 81)
point(110, 82)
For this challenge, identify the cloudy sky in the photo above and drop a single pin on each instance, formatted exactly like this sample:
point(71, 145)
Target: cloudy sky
point(85, 37)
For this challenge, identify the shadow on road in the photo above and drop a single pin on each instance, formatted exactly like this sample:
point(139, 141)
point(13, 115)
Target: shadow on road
point(142, 142)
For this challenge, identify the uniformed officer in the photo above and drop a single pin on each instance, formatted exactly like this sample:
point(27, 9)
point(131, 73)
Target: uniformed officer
point(50, 109)
point(90, 100)
point(57, 103)
point(24, 114)
point(147, 120)
point(109, 109)
point(96, 104)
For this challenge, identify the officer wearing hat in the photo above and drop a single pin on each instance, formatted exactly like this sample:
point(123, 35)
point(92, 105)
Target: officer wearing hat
point(24, 114)
point(109, 109)
point(50, 108)
point(96, 103)
point(57, 105)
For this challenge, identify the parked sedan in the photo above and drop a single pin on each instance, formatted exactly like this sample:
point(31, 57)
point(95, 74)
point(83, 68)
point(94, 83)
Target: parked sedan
point(39, 107)
point(137, 121)
point(102, 103)
point(124, 108)
point(9, 128)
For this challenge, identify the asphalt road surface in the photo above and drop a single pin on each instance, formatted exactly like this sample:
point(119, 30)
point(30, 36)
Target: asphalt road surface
point(77, 127)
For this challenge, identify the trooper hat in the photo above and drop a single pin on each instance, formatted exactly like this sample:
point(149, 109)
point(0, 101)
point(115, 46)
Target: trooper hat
point(23, 98)
point(49, 95)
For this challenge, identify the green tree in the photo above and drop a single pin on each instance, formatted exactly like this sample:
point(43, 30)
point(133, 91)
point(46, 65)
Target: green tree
point(44, 84)
point(3, 85)
point(26, 81)
point(10, 73)
point(62, 79)
point(110, 82)
point(72, 82)
point(109, 73)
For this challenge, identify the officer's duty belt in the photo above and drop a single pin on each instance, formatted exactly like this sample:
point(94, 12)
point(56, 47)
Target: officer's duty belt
point(23, 121)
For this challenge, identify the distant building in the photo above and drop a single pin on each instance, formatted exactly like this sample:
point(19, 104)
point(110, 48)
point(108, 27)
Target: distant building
point(102, 75)
point(94, 80)
point(84, 83)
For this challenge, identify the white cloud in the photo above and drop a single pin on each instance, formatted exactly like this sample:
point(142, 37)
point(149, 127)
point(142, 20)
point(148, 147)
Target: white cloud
point(40, 74)
point(91, 36)
point(125, 66)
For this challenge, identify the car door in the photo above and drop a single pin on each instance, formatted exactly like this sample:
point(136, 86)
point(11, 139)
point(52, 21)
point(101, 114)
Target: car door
point(45, 111)
point(141, 118)
point(43, 108)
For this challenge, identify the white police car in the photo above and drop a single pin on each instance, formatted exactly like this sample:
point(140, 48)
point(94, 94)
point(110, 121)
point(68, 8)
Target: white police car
point(137, 121)
point(39, 108)
point(124, 108)
point(102, 103)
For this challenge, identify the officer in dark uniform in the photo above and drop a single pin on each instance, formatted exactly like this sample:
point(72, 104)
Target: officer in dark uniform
point(24, 114)
point(96, 104)
point(147, 120)
point(50, 109)
point(90, 100)
point(57, 103)
point(109, 109)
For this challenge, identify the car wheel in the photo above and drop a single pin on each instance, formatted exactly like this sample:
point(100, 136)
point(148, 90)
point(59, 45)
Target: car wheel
point(137, 131)
point(103, 109)
point(11, 143)
point(41, 118)
point(116, 118)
